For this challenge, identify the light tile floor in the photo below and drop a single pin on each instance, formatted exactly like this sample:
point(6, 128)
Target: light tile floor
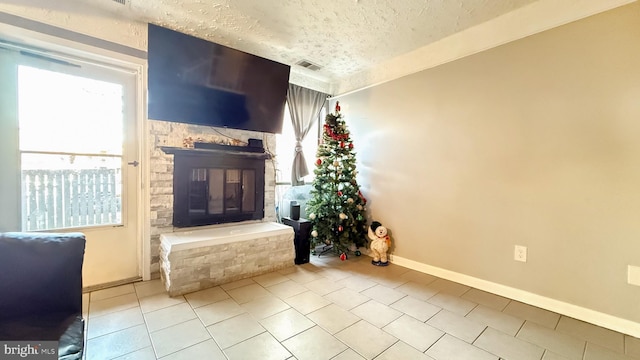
point(332, 309)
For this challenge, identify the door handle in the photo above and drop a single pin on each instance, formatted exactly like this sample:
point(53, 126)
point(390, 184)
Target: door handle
point(133, 163)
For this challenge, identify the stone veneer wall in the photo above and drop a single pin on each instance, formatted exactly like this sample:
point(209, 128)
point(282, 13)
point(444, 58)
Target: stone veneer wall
point(189, 270)
point(164, 133)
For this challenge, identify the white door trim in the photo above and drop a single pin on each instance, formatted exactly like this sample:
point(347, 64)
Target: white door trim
point(144, 215)
point(136, 65)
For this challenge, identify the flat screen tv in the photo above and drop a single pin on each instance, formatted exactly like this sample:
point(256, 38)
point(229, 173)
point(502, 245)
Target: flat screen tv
point(195, 81)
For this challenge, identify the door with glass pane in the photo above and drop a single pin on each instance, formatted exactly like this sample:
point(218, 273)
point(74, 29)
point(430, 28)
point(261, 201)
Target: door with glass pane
point(76, 134)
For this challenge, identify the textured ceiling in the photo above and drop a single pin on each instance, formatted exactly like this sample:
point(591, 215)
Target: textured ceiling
point(344, 37)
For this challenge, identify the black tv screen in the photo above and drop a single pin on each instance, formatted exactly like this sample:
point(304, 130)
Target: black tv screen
point(195, 81)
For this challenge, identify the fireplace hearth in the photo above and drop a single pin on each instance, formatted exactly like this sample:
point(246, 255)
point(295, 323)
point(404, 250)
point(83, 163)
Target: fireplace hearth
point(215, 186)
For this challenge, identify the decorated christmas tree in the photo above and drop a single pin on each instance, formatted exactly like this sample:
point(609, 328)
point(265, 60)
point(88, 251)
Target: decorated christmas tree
point(336, 207)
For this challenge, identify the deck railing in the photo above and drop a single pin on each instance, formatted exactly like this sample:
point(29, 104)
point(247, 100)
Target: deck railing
point(56, 199)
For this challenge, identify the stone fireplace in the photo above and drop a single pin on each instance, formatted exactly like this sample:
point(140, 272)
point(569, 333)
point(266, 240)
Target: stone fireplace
point(169, 134)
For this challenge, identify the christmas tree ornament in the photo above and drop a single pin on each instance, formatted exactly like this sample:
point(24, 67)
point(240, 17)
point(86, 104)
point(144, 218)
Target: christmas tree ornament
point(312, 216)
point(342, 144)
point(343, 256)
point(340, 228)
point(364, 200)
point(351, 146)
point(350, 201)
point(314, 233)
point(319, 162)
point(336, 163)
point(342, 216)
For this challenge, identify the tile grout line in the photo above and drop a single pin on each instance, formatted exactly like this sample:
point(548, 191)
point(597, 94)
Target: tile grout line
point(144, 319)
point(544, 353)
point(388, 347)
point(177, 351)
point(478, 337)
point(352, 273)
point(520, 328)
point(435, 342)
point(205, 327)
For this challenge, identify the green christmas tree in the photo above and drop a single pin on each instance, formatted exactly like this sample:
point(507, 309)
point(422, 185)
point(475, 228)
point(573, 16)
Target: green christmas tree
point(336, 207)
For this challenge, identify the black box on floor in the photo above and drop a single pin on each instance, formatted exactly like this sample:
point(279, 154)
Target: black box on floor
point(301, 240)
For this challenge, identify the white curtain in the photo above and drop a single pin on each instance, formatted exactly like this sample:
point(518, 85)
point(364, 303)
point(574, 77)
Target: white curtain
point(304, 106)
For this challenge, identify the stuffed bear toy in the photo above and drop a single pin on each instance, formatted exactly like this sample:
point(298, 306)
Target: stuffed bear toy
point(380, 243)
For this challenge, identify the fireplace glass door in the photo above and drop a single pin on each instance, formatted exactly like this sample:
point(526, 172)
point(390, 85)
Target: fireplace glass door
point(222, 191)
point(216, 187)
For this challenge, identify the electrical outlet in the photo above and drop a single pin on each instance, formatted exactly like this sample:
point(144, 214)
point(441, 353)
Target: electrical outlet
point(633, 275)
point(520, 253)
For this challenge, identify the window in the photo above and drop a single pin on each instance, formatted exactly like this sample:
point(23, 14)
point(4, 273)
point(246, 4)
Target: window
point(286, 143)
point(64, 126)
point(70, 133)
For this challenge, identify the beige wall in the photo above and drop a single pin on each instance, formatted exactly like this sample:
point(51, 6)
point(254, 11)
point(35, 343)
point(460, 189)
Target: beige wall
point(535, 143)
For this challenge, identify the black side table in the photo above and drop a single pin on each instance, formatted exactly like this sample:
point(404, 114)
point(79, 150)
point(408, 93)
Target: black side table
point(301, 241)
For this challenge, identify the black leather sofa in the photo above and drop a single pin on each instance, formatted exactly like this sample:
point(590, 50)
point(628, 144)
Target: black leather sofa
point(41, 289)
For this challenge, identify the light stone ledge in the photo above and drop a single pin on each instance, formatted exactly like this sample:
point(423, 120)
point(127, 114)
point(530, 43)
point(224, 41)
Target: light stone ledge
point(185, 270)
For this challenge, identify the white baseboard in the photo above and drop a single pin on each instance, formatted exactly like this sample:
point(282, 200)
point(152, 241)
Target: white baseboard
point(577, 312)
